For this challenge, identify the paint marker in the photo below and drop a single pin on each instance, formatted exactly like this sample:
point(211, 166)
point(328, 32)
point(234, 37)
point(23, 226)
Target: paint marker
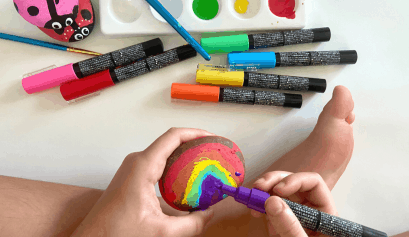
point(254, 61)
point(309, 218)
point(234, 95)
point(70, 72)
point(78, 89)
point(244, 42)
point(175, 24)
point(208, 75)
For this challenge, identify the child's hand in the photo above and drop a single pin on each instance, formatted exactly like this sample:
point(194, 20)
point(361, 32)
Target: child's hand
point(129, 206)
point(304, 188)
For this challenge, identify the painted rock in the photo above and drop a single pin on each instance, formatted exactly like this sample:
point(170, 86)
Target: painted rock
point(183, 181)
point(63, 20)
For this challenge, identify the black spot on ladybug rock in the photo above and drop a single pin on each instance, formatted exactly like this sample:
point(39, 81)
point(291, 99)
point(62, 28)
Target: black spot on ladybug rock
point(57, 1)
point(33, 11)
point(86, 14)
point(15, 5)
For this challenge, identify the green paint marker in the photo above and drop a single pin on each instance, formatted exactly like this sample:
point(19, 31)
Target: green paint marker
point(244, 42)
point(206, 9)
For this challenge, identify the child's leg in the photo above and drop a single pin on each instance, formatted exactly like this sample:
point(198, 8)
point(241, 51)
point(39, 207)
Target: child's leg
point(48, 209)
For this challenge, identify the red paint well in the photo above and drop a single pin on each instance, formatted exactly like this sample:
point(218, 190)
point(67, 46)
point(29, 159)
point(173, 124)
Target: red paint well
point(282, 8)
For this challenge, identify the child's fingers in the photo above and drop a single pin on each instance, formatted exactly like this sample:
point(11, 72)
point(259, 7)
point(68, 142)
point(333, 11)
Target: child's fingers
point(159, 151)
point(282, 219)
point(319, 194)
point(269, 180)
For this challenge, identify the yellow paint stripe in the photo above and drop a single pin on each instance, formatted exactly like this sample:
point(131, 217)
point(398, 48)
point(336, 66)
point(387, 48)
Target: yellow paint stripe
point(200, 166)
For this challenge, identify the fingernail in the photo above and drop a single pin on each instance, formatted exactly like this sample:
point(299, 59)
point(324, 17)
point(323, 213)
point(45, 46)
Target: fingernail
point(284, 175)
point(274, 208)
point(278, 187)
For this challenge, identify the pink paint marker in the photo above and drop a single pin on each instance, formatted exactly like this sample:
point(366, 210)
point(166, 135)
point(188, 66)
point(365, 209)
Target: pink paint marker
point(54, 77)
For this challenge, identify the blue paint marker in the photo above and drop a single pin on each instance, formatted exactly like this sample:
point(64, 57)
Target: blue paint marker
point(254, 61)
point(175, 24)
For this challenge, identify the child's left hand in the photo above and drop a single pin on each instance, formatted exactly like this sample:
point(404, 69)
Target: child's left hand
point(130, 207)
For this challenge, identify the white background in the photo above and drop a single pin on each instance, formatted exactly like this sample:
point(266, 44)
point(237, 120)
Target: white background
point(43, 138)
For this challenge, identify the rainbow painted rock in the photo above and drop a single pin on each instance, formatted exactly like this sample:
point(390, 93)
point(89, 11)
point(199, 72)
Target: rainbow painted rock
point(183, 184)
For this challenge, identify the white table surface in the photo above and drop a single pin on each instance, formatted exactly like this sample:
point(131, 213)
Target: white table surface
point(43, 138)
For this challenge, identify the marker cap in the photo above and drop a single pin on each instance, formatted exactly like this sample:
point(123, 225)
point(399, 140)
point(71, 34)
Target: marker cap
point(153, 47)
point(317, 85)
point(348, 57)
point(87, 85)
point(48, 79)
point(293, 100)
point(185, 52)
point(321, 34)
point(221, 78)
point(225, 44)
point(251, 61)
point(195, 92)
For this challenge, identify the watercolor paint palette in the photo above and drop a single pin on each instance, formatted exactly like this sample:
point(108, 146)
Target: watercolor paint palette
point(136, 17)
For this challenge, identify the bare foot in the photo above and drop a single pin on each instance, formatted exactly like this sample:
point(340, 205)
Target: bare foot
point(329, 147)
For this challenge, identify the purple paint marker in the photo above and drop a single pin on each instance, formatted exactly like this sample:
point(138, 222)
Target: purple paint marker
point(309, 218)
point(211, 193)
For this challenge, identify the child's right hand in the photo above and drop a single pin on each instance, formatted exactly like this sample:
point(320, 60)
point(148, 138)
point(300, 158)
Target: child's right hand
point(305, 188)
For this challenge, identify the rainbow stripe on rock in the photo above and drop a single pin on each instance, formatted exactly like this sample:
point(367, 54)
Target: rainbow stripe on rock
point(188, 167)
point(202, 169)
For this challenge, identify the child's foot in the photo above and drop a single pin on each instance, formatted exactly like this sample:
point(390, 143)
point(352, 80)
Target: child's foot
point(328, 149)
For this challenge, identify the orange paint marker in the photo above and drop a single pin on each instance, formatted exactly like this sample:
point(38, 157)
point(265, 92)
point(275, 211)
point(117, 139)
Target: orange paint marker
point(234, 95)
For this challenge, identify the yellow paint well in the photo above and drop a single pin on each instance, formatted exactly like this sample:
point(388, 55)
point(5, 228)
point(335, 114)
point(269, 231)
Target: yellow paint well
point(241, 6)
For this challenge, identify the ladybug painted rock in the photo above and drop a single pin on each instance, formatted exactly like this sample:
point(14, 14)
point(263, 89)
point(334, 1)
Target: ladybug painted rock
point(63, 20)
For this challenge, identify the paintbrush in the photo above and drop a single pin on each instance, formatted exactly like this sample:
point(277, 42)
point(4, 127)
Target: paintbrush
point(46, 44)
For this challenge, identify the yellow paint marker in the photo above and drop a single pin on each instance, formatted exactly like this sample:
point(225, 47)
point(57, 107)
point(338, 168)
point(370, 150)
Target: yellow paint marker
point(220, 76)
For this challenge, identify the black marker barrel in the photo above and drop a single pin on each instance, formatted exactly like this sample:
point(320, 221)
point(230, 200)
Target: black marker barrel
point(275, 39)
point(282, 82)
point(117, 58)
point(316, 58)
point(153, 63)
point(241, 96)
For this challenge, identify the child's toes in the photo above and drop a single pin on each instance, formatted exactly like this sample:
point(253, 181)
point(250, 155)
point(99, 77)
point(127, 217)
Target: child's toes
point(341, 104)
